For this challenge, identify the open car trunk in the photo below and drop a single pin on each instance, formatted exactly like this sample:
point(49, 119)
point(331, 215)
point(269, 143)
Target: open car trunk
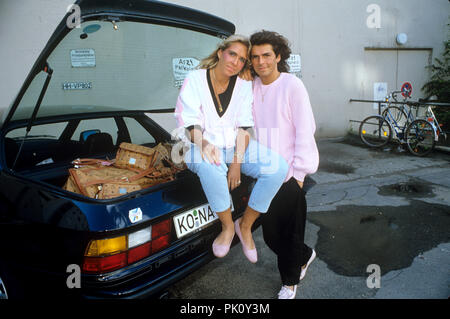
point(51, 149)
point(96, 159)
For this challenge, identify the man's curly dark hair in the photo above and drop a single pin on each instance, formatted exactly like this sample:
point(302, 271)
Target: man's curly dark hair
point(279, 44)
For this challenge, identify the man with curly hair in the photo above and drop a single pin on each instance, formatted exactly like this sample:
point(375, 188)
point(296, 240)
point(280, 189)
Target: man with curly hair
point(285, 123)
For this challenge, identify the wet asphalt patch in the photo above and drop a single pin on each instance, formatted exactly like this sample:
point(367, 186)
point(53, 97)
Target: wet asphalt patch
point(413, 188)
point(353, 237)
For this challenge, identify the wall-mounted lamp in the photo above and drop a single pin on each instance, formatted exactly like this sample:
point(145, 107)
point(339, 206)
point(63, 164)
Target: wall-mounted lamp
point(401, 38)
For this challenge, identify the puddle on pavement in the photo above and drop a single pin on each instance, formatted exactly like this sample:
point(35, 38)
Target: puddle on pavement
point(412, 188)
point(353, 237)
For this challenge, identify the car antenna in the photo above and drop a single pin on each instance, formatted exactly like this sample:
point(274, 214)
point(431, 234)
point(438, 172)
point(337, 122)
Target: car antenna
point(49, 72)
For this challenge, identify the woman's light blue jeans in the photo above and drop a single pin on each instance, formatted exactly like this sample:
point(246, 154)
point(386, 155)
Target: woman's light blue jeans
point(267, 167)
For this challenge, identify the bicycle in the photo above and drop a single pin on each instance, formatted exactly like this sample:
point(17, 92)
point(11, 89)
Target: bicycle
point(419, 134)
point(376, 130)
point(399, 116)
point(422, 134)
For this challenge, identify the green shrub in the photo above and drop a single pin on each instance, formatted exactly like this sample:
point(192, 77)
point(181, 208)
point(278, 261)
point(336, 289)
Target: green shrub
point(439, 85)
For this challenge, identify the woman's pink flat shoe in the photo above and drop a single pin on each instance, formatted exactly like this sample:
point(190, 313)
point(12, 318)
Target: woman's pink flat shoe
point(251, 254)
point(221, 250)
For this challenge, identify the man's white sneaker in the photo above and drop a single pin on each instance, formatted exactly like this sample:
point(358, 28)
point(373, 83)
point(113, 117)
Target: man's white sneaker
point(303, 272)
point(287, 293)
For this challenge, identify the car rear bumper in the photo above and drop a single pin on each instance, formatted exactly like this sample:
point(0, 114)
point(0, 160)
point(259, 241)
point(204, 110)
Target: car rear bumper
point(156, 288)
point(150, 277)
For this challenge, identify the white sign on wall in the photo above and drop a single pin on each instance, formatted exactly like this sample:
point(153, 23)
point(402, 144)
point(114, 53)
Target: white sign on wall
point(295, 65)
point(379, 93)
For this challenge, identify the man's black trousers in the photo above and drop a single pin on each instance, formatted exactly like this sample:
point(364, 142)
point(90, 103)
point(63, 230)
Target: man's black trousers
point(284, 231)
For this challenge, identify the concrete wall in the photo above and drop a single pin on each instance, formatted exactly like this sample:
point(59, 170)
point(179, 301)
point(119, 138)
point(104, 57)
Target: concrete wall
point(341, 56)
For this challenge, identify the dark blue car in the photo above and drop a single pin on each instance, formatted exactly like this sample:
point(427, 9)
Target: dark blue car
point(95, 85)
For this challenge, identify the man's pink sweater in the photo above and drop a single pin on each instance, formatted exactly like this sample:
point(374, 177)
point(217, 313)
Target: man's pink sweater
point(284, 122)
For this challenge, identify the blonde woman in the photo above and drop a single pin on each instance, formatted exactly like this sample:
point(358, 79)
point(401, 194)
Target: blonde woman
point(215, 106)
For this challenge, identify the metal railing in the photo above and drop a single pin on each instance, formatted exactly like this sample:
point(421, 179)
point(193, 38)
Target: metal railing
point(410, 103)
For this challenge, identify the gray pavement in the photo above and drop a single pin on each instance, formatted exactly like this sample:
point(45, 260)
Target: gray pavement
point(369, 207)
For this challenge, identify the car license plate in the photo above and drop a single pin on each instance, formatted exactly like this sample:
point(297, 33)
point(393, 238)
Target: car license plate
point(194, 220)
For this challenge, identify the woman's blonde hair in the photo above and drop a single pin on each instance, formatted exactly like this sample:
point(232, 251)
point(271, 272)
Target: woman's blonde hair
point(212, 60)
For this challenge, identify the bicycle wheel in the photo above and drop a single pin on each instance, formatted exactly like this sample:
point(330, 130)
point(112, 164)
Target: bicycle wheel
point(396, 116)
point(420, 137)
point(375, 131)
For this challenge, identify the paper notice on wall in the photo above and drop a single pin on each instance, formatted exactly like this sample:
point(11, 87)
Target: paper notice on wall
point(379, 93)
point(295, 65)
point(181, 67)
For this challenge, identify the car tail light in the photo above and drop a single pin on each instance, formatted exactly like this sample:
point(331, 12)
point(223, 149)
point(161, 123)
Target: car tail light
point(139, 252)
point(104, 264)
point(105, 255)
point(160, 243)
point(139, 237)
point(104, 247)
point(161, 229)
point(161, 235)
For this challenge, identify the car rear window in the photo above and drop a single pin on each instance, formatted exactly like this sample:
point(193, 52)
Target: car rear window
point(136, 66)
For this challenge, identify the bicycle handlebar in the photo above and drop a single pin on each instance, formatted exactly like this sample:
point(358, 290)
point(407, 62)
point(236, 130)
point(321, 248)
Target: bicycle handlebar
point(394, 96)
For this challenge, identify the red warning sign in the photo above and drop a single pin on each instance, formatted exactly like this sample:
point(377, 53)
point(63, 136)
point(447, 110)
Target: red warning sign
point(406, 89)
